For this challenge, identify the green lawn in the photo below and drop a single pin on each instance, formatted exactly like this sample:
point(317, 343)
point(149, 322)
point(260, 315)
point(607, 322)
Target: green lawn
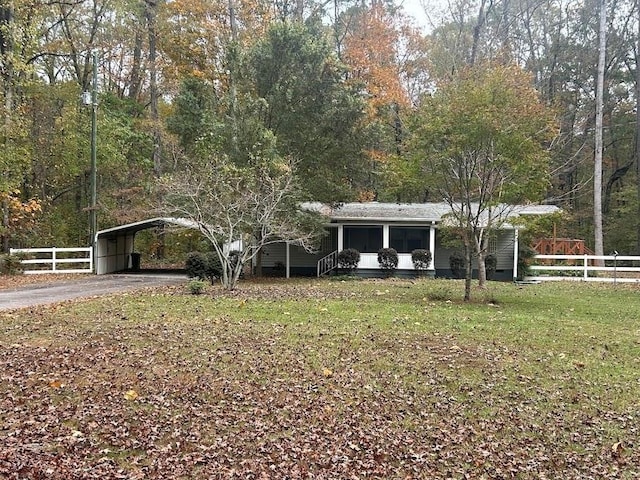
point(326, 380)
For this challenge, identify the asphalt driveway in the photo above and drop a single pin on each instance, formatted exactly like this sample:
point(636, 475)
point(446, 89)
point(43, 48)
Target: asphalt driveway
point(54, 292)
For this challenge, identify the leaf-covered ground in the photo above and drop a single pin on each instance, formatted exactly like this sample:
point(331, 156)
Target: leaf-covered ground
point(325, 380)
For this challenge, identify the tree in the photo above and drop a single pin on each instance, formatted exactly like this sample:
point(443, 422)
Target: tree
point(308, 106)
point(482, 141)
point(597, 173)
point(240, 209)
point(18, 217)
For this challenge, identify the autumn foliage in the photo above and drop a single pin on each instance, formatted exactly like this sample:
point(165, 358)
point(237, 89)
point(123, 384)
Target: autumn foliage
point(18, 216)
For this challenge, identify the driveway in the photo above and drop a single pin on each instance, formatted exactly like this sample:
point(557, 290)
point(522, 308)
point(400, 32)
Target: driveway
point(54, 292)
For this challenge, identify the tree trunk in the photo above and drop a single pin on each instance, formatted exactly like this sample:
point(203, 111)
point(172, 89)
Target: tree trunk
point(477, 28)
point(135, 78)
point(638, 132)
point(258, 271)
point(5, 225)
point(597, 172)
point(481, 253)
point(482, 270)
point(150, 13)
point(468, 256)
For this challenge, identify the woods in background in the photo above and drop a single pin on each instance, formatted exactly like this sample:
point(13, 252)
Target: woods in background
point(337, 87)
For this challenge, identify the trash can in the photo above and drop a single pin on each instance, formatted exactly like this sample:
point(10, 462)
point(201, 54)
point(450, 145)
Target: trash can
point(135, 262)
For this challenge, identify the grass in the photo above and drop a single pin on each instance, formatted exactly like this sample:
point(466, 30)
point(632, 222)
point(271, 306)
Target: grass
point(326, 379)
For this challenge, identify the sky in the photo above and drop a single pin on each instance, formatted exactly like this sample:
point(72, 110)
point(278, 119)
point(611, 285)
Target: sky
point(416, 9)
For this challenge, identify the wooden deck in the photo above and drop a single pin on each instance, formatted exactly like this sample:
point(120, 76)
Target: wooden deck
point(561, 246)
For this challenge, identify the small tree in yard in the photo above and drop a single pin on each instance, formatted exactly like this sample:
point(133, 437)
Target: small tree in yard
point(482, 140)
point(249, 206)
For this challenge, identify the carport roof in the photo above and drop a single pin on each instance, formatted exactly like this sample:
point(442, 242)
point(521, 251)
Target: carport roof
point(144, 225)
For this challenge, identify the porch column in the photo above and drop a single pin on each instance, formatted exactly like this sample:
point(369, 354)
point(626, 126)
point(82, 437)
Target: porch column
point(432, 246)
point(385, 236)
point(515, 254)
point(287, 260)
point(340, 238)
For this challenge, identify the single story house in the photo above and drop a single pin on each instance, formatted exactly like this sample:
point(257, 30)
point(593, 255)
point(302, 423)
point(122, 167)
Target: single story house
point(367, 227)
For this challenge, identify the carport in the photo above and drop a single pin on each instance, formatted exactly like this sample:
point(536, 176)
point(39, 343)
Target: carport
point(115, 246)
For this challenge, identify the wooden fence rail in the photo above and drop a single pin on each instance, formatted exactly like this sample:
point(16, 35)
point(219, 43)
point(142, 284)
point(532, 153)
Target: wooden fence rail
point(56, 260)
point(615, 268)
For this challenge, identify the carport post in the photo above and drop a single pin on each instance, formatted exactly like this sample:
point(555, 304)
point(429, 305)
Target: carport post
point(288, 260)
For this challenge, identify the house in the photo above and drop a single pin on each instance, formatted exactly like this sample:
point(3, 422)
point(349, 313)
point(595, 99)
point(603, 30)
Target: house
point(367, 227)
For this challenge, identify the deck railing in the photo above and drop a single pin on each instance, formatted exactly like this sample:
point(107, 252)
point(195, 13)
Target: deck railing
point(56, 260)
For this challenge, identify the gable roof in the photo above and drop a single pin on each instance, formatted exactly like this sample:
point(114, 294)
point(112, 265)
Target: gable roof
point(406, 212)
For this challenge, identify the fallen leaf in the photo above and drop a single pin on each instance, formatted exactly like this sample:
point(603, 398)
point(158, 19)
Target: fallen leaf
point(617, 449)
point(131, 395)
point(56, 383)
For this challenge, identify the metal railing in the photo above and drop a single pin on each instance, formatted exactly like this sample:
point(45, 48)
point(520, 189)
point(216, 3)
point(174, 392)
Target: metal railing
point(327, 263)
point(56, 260)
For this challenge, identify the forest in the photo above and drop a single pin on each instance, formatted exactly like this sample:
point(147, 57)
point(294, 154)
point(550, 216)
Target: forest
point(342, 91)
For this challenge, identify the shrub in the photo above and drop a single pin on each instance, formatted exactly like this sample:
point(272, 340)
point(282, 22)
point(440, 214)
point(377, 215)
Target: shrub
point(349, 259)
point(11, 264)
point(214, 267)
point(196, 265)
point(421, 259)
point(525, 256)
point(196, 287)
point(203, 266)
point(388, 259)
point(457, 264)
point(490, 265)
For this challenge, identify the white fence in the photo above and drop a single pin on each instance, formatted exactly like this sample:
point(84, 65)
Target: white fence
point(616, 268)
point(56, 260)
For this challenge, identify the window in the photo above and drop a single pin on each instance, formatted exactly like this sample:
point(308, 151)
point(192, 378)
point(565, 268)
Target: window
point(493, 245)
point(363, 239)
point(407, 239)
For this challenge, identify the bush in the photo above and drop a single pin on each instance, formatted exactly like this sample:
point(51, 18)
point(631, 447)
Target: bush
point(214, 267)
point(11, 264)
point(196, 287)
point(203, 266)
point(457, 264)
point(388, 259)
point(349, 259)
point(525, 256)
point(490, 265)
point(196, 265)
point(421, 259)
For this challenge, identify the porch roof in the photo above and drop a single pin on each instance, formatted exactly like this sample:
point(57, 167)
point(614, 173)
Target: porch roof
point(407, 212)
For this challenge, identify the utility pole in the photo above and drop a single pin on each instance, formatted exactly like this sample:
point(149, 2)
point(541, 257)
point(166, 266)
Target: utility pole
point(93, 219)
